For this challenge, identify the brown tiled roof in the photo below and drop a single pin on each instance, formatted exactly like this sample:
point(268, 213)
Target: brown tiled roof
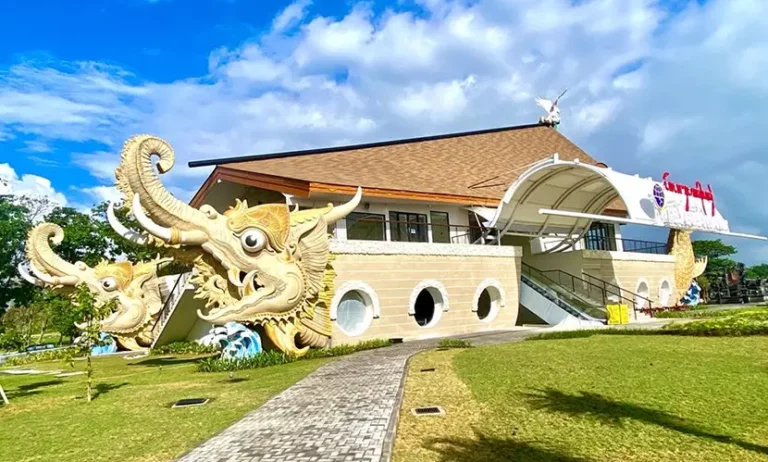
point(480, 164)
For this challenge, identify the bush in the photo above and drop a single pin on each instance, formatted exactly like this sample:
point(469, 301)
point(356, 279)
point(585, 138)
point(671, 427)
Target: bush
point(11, 341)
point(276, 358)
point(709, 314)
point(454, 343)
point(184, 348)
point(583, 333)
point(51, 355)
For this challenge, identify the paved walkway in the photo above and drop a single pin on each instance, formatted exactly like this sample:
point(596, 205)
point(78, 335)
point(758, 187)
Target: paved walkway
point(344, 411)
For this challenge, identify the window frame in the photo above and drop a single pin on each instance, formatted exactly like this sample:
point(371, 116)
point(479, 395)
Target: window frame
point(396, 225)
point(350, 222)
point(447, 226)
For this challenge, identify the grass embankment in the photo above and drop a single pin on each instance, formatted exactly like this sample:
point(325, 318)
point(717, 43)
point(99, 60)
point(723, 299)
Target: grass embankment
point(709, 313)
point(617, 398)
point(131, 418)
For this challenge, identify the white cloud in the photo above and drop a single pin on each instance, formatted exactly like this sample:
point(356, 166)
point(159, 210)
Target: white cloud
point(36, 146)
point(28, 185)
point(99, 194)
point(292, 14)
point(693, 106)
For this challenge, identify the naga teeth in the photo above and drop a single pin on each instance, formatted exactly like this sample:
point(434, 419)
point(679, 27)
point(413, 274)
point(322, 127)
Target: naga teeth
point(234, 277)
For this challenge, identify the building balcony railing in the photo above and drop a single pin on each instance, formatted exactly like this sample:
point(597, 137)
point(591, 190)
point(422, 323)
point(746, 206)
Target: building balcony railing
point(375, 229)
point(627, 245)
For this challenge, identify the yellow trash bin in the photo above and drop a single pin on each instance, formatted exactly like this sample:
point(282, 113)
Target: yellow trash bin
point(617, 314)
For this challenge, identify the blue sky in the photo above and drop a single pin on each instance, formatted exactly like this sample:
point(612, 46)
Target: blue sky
point(654, 86)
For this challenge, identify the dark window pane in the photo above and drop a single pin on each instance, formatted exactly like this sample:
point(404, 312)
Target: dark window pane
point(365, 227)
point(441, 231)
point(408, 227)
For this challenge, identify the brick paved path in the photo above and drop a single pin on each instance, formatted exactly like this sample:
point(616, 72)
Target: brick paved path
point(344, 411)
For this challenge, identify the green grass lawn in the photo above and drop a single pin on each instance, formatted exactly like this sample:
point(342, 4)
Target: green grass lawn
point(130, 419)
point(600, 398)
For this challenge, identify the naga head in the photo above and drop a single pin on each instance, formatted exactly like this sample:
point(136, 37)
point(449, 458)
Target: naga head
point(133, 285)
point(271, 260)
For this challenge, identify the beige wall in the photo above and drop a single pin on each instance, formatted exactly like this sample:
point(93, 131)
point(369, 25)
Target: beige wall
point(626, 269)
point(394, 277)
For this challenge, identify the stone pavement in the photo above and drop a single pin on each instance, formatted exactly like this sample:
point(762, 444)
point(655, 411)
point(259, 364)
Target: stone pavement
point(344, 411)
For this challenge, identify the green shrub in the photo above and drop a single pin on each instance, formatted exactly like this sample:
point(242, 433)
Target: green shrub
point(184, 348)
point(709, 314)
point(275, 358)
point(582, 333)
point(51, 355)
point(11, 341)
point(454, 343)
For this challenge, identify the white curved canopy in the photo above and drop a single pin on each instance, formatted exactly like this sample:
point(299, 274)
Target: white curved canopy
point(564, 197)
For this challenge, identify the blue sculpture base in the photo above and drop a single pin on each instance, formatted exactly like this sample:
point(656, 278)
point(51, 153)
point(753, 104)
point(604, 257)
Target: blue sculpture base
point(693, 296)
point(109, 345)
point(235, 340)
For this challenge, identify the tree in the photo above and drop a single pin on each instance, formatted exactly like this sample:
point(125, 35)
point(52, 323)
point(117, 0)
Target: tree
point(23, 321)
point(89, 311)
point(84, 238)
point(758, 271)
point(717, 254)
point(58, 312)
point(14, 225)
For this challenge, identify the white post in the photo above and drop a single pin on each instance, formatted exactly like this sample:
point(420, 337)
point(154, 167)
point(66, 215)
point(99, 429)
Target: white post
point(2, 394)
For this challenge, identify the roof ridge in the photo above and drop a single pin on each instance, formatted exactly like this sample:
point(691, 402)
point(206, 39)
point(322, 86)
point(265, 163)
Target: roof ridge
point(352, 147)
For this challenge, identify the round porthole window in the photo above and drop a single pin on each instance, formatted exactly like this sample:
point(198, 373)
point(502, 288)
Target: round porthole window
point(428, 301)
point(489, 298)
point(354, 312)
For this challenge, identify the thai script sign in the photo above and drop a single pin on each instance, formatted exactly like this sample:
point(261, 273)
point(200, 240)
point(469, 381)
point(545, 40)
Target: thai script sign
point(686, 207)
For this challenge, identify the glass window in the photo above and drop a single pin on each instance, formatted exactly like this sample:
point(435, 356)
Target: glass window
point(601, 236)
point(475, 230)
point(441, 231)
point(408, 227)
point(365, 227)
point(354, 313)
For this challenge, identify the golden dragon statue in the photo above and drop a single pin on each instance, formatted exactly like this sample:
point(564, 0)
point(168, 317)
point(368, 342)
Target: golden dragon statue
point(687, 266)
point(265, 265)
point(136, 286)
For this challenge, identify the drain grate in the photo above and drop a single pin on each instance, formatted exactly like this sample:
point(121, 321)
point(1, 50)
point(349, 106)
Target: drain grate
point(428, 410)
point(428, 369)
point(443, 349)
point(189, 402)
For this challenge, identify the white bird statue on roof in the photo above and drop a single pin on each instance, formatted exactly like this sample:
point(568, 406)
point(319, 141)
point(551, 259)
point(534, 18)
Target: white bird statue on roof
point(553, 112)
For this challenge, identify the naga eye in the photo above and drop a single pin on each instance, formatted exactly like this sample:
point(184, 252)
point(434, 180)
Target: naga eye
point(109, 284)
point(253, 240)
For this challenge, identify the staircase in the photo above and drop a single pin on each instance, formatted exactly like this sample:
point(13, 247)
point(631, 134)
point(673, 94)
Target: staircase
point(171, 300)
point(555, 305)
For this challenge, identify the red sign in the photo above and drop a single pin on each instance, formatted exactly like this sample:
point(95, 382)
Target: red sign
point(697, 192)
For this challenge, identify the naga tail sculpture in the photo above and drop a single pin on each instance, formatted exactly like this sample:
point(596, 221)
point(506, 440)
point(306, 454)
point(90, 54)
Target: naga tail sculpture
point(136, 287)
point(687, 266)
point(269, 265)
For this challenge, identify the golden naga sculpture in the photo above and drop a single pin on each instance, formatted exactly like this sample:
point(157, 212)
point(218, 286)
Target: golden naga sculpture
point(687, 266)
point(270, 265)
point(136, 287)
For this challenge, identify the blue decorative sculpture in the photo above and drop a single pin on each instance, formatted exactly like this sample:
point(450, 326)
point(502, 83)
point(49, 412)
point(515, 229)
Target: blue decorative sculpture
point(693, 296)
point(108, 345)
point(235, 340)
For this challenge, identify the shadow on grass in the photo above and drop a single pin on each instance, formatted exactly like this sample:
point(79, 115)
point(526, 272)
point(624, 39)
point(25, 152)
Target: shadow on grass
point(164, 361)
point(104, 388)
point(491, 449)
point(613, 412)
point(32, 388)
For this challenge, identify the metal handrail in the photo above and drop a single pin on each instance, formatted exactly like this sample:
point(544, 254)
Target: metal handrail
point(602, 290)
point(453, 239)
point(621, 289)
point(540, 274)
point(172, 295)
point(628, 245)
